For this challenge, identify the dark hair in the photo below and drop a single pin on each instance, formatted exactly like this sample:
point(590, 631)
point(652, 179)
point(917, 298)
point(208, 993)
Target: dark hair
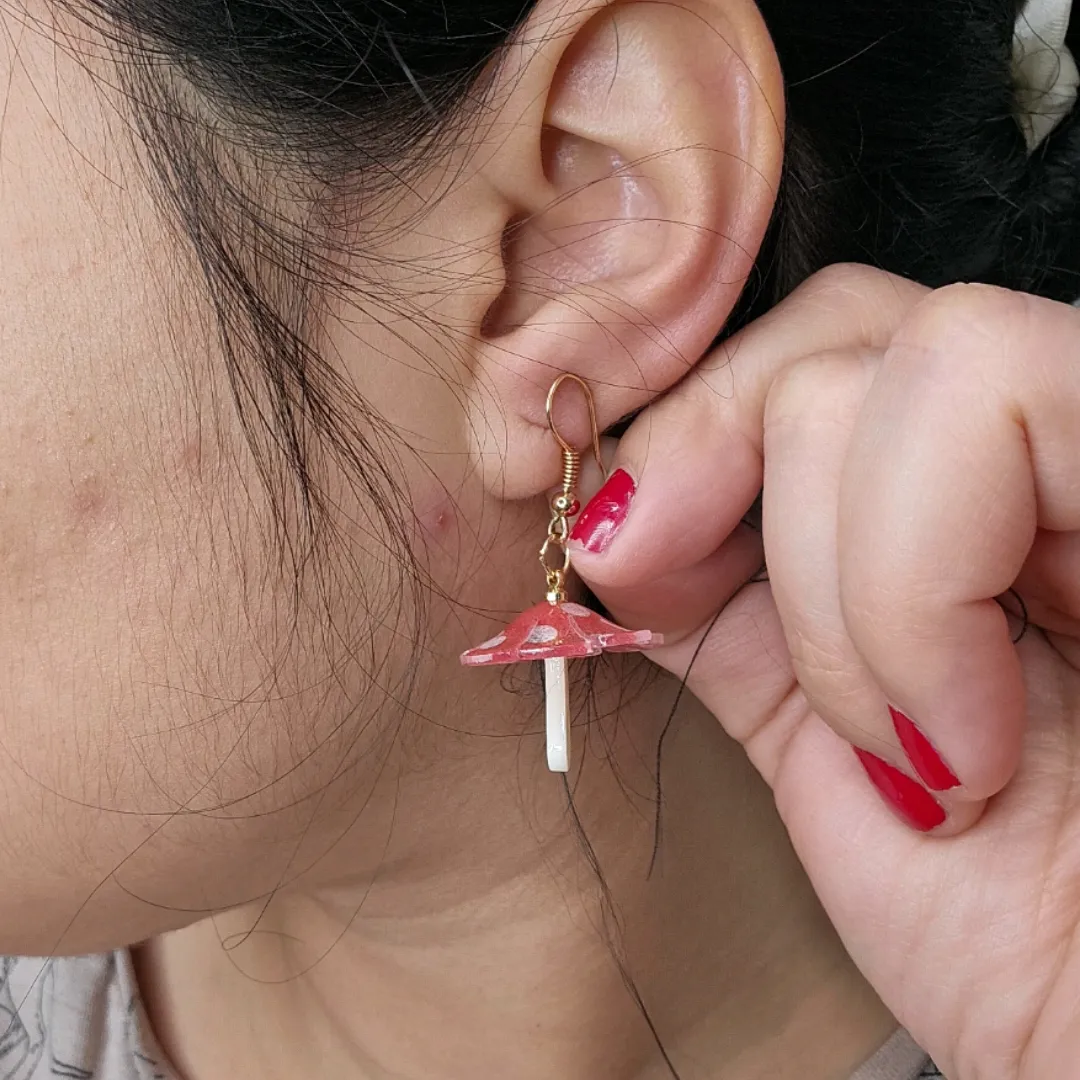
point(903, 152)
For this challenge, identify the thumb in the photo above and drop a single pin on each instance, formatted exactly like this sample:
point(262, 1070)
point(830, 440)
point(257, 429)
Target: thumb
point(676, 603)
point(735, 662)
point(690, 465)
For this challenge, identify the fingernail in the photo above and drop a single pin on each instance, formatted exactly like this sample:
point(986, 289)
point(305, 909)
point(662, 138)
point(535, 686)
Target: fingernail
point(605, 512)
point(907, 797)
point(925, 760)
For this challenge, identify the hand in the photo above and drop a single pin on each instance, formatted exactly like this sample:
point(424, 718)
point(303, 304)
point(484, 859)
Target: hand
point(920, 456)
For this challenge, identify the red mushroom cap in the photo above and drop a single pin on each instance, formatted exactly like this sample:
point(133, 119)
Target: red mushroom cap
point(548, 631)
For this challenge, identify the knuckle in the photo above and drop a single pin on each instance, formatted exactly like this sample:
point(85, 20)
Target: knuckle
point(820, 384)
point(819, 661)
point(876, 609)
point(965, 325)
point(976, 301)
point(869, 300)
point(841, 279)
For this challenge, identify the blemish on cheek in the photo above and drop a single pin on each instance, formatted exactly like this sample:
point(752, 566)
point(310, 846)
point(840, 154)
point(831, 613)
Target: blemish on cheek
point(191, 455)
point(438, 525)
point(437, 518)
point(91, 504)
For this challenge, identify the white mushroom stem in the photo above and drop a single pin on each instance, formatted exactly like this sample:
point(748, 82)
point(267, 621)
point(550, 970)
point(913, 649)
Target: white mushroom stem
point(557, 692)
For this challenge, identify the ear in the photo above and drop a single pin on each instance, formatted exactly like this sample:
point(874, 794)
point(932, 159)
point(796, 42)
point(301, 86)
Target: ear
point(641, 153)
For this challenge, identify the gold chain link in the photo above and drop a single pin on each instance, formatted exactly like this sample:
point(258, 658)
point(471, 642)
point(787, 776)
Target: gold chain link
point(558, 531)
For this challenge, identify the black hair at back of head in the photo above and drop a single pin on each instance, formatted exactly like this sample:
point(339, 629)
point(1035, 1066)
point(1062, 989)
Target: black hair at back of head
point(904, 151)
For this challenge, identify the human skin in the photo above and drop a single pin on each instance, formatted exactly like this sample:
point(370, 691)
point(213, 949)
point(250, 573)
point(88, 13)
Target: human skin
point(356, 842)
point(925, 444)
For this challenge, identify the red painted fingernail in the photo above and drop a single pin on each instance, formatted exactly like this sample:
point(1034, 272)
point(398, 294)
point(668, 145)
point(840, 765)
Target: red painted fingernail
point(605, 512)
point(906, 796)
point(925, 760)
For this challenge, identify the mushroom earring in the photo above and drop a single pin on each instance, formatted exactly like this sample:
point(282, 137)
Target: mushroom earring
point(557, 630)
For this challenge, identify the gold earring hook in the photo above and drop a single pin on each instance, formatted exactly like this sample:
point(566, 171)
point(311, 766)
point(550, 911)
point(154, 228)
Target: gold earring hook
point(565, 505)
point(563, 444)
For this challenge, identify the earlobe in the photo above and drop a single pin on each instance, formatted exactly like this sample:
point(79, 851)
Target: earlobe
point(654, 173)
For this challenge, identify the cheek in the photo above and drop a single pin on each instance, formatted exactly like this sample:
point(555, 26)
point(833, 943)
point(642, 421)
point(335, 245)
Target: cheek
point(174, 723)
point(97, 576)
point(480, 550)
point(167, 727)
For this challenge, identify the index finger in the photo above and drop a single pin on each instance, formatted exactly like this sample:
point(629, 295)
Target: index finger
point(689, 468)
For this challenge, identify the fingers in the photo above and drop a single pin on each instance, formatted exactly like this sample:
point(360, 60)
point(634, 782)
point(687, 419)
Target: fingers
point(688, 468)
point(1049, 583)
point(678, 603)
point(810, 415)
point(965, 445)
point(737, 665)
point(899, 505)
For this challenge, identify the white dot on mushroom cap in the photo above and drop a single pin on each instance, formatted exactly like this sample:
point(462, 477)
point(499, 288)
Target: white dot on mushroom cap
point(576, 609)
point(498, 639)
point(541, 635)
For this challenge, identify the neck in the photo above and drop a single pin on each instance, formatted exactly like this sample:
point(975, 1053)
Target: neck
point(485, 945)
